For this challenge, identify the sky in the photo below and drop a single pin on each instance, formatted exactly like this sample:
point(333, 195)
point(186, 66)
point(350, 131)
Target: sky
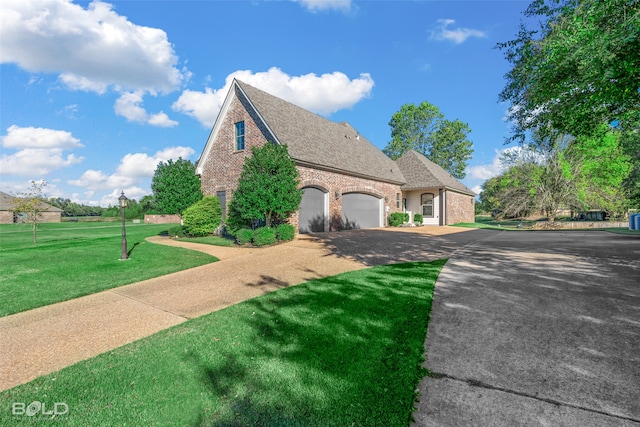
point(93, 95)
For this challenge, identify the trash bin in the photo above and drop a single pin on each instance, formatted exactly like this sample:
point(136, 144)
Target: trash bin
point(637, 222)
point(632, 221)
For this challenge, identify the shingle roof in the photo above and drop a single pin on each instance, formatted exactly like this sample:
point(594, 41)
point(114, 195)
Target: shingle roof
point(6, 204)
point(421, 172)
point(314, 140)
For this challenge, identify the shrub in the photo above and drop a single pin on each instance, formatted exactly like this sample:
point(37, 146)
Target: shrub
point(264, 236)
point(203, 217)
point(244, 236)
point(285, 232)
point(397, 218)
point(176, 231)
point(417, 218)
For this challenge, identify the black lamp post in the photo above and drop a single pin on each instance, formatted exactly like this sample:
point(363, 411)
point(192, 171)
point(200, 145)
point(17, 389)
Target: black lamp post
point(123, 204)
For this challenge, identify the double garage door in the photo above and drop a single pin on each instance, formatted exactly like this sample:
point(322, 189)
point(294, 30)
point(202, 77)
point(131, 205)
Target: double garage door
point(359, 210)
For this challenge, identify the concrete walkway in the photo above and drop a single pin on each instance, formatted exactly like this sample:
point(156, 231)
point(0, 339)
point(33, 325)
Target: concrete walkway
point(46, 339)
point(536, 329)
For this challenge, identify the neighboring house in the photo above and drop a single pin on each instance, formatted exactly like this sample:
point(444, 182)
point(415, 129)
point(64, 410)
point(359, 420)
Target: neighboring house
point(8, 216)
point(347, 182)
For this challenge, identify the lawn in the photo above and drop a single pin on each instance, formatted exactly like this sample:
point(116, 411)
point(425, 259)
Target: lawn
point(340, 351)
point(71, 260)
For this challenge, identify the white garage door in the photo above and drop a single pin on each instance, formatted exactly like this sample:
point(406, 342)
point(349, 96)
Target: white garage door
point(312, 216)
point(361, 210)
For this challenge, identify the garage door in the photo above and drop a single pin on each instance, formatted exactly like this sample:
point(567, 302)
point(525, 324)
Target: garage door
point(312, 216)
point(361, 211)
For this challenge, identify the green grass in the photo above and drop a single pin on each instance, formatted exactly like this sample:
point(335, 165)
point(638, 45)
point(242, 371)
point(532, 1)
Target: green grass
point(71, 260)
point(340, 351)
point(209, 240)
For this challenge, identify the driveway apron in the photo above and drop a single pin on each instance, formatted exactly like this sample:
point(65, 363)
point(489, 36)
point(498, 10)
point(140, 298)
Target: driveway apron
point(536, 329)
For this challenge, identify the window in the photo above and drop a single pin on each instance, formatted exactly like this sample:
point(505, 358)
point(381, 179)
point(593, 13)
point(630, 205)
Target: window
point(222, 197)
point(398, 200)
point(239, 136)
point(426, 201)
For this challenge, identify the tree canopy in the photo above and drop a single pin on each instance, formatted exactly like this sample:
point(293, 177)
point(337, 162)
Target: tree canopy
point(578, 174)
point(175, 186)
point(268, 186)
point(579, 69)
point(424, 128)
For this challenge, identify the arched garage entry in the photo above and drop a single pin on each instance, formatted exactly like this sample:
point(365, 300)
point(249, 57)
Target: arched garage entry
point(361, 210)
point(314, 210)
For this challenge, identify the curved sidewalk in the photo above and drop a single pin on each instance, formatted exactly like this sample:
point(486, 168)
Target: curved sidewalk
point(46, 339)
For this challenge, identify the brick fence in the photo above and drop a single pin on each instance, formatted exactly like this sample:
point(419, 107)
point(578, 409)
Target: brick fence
point(162, 219)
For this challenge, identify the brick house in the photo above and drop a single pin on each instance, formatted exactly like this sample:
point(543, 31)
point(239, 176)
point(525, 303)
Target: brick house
point(347, 182)
point(48, 213)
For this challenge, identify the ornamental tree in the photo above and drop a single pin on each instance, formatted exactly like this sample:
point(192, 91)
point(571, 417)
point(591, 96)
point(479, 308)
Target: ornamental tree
point(31, 205)
point(268, 186)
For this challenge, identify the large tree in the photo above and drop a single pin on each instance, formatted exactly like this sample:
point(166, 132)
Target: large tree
point(561, 172)
point(175, 186)
point(602, 168)
point(268, 186)
point(576, 69)
point(424, 128)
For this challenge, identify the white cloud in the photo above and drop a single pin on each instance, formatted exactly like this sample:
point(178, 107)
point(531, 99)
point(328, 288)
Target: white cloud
point(91, 49)
point(128, 106)
point(477, 175)
point(111, 199)
point(486, 171)
point(320, 5)
point(324, 94)
point(31, 137)
point(162, 120)
point(132, 170)
point(39, 151)
point(457, 35)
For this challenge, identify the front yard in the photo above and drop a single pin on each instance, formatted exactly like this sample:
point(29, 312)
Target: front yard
point(343, 350)
point(75, 259)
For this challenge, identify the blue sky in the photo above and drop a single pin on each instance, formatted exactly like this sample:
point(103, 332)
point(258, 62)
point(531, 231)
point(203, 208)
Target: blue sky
point(95, 94)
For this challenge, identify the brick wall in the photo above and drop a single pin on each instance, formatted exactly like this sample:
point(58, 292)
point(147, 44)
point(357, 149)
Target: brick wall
point(162, 219)
point(6, 217)
point(224, 164)
point(460, 208)
point(339, 183)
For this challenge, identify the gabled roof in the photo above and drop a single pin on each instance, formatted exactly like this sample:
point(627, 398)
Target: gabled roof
point(7, 200)
point(421, 172)
point(313, 140)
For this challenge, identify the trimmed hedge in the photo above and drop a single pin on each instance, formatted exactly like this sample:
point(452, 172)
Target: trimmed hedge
point(398, 218)
point(244, 236)
point(285, 232)
point(203, 217)
point(176, 231)
point(417, 218)
point(264, 236)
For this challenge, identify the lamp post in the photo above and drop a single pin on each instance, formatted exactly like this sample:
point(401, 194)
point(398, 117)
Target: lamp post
point(123, 204)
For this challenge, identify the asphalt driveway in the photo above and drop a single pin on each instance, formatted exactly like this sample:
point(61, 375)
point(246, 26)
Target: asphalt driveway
point(536, 329)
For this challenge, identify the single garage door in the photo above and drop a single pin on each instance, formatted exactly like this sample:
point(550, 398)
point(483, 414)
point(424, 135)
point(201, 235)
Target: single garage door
point(312, 216)
point(361, 211)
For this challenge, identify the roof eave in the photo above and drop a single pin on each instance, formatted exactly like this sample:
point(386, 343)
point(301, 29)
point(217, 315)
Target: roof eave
point(345, 172)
